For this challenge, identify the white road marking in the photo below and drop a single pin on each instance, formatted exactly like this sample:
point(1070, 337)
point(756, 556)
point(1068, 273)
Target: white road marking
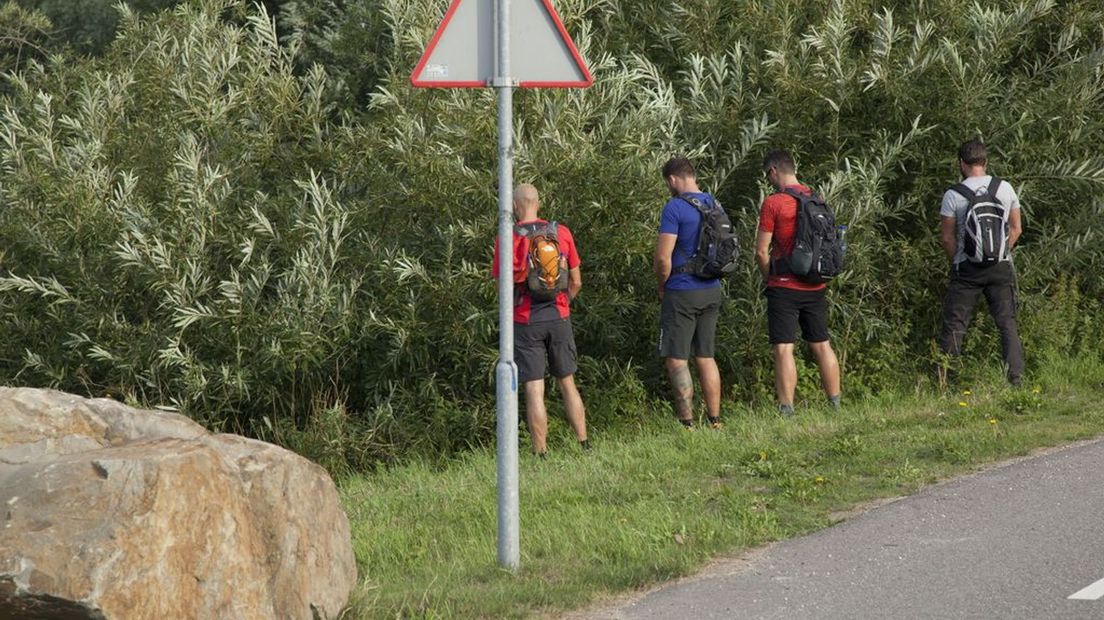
point(1090, 593)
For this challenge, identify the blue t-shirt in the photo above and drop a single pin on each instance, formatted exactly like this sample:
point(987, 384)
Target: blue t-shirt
point(681, 218)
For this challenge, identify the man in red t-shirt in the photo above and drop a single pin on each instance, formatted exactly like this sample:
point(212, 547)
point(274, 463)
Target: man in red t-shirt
point(790, 301)
point(542, 330)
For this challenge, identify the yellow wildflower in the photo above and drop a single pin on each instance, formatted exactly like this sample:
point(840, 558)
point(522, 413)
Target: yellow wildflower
point(962, 403)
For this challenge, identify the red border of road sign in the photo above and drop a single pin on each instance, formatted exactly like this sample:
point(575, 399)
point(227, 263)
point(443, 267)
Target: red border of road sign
point(478, 84)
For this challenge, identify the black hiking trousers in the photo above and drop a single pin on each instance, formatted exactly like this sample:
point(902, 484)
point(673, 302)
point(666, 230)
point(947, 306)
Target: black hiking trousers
point(998, 283)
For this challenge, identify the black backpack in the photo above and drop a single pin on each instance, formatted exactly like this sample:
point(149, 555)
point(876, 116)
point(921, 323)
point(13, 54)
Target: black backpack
point(717, 251)
point(817, 255)
point(986, 238)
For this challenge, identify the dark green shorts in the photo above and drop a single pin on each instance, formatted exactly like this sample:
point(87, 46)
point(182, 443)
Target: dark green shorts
point(688, 323)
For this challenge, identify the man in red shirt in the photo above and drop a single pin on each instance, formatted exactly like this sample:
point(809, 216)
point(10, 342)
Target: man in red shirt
point(790, 301)
point(542, 329)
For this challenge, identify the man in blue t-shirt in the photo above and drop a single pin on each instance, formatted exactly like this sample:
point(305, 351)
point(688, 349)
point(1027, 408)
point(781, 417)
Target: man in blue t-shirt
point(690, 305)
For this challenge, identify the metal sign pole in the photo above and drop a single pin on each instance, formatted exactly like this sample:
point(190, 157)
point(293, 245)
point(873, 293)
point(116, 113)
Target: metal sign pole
point(509, 547)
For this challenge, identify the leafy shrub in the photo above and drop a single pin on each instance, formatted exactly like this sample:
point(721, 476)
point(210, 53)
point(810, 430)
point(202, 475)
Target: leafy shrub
point(215, 218)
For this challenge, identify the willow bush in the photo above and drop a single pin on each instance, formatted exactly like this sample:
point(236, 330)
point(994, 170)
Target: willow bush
point(279, 235)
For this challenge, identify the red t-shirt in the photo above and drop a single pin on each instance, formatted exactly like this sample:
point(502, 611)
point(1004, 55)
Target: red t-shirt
point(524, 310)
point(779, 217)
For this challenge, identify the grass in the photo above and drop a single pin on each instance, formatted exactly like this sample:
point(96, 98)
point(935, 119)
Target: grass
point(659, 502)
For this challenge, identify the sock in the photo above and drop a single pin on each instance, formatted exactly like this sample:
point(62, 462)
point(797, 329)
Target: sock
point(834, 401)
point(786, 410)
point(687, 423)
point(585, 444)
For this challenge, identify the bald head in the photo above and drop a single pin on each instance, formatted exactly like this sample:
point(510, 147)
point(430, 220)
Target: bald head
point(526, 202)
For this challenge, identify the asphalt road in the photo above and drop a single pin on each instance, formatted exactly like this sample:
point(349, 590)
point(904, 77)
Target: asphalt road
point(1015, 541)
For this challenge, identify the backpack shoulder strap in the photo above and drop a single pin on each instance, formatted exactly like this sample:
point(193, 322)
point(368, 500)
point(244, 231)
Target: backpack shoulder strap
point(694, 201)
point(994, 185)
point(530, 229)
point(962, 190)
point(801, 197)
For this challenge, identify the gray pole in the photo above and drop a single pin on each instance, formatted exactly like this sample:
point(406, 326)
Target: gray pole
point(509, 546)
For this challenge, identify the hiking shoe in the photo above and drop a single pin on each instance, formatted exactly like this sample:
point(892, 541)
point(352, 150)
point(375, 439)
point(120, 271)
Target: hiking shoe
point(786, 411)
point(687, 424)
point(716, 423)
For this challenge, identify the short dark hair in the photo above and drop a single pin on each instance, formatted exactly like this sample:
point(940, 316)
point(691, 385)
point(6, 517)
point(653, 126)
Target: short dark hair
point(973, 153)
point(779, 160)
point(679, 167)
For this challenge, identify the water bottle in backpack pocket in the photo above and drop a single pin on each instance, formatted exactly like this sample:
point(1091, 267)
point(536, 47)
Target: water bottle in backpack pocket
point(985, 238)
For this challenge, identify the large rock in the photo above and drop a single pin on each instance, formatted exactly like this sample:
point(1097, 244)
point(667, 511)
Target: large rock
point(110, 512)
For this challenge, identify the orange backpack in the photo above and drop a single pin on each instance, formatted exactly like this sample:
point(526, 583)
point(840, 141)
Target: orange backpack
point(544, 273)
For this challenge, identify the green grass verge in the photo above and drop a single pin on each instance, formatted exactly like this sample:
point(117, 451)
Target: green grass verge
point(658, 502)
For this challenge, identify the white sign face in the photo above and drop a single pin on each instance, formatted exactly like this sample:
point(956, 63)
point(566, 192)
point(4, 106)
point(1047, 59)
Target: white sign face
point(462, 53)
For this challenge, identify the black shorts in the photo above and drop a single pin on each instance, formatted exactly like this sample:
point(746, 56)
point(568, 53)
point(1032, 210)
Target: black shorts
point(787, 308)
point(538, 345)
point(688, 323)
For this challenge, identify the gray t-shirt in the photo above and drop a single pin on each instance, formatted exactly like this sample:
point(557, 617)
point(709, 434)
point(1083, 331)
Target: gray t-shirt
point(955, 205)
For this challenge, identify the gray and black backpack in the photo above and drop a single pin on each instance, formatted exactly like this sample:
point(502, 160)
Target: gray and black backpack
point(986, 238)
point(717, 252)
point(818, 251)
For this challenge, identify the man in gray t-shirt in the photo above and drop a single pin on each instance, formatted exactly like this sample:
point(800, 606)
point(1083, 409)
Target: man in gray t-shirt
point(969, 279)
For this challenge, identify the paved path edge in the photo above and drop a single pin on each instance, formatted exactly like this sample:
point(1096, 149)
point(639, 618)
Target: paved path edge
point(607, 608)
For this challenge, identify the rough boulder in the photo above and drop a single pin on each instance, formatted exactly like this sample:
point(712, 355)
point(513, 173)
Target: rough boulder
point(109, 512)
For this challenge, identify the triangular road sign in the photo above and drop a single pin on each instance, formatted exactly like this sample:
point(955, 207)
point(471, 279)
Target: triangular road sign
point(462, 53)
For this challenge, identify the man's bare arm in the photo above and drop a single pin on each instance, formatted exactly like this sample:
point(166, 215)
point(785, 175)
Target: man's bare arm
point(1015, 227)
point(762, 252)
point(665, 247)
point(574, 282)
point(948, 235)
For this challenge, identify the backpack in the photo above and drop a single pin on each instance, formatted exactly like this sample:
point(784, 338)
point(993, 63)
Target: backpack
point(544, 273)
point(986, 238)
point(717, 249)
point(818, 250)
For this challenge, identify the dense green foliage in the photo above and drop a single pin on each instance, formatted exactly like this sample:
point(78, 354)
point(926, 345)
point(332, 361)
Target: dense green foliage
point(87, 26)
point(274, 232)
point(23, 35)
